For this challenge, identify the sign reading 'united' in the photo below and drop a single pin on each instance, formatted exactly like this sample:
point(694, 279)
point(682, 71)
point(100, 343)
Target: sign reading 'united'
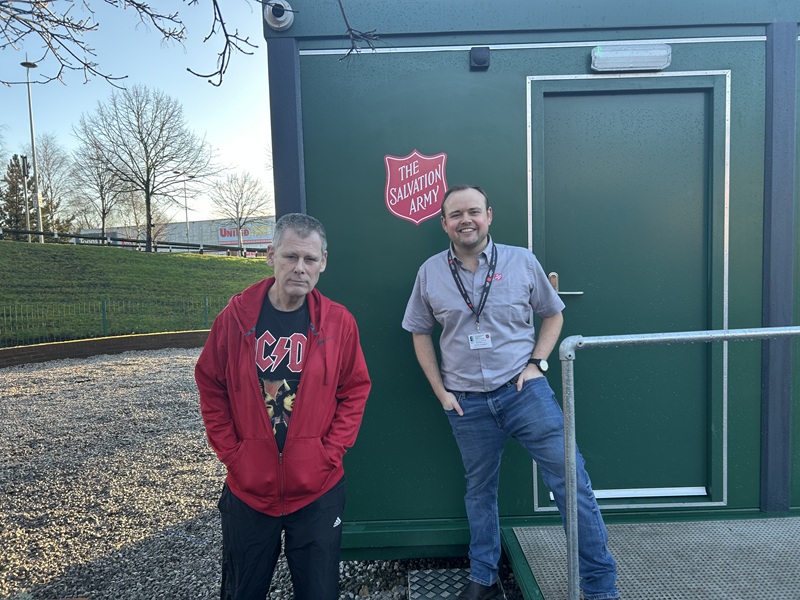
point(415, 185)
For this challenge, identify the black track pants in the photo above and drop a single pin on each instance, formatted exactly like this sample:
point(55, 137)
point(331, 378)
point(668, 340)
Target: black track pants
point(251, 544)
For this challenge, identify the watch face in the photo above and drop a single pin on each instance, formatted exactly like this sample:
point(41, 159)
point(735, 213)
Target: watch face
point(543, 365)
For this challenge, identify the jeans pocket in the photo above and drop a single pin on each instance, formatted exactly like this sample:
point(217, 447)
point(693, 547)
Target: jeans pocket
point(460, 399)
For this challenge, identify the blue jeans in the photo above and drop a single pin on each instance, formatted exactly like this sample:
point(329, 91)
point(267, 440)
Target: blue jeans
point(533, 417)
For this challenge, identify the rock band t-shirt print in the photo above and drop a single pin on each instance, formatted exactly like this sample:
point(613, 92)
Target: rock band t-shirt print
point(281, 343)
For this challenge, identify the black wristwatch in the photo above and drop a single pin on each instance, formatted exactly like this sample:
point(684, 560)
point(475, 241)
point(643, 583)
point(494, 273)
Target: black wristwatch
point(540, 363)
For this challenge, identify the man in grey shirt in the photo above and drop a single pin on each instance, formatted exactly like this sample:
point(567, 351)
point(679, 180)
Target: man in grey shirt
point(491, 381)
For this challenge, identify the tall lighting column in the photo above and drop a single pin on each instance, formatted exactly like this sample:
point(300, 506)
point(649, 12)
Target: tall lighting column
point(36, 199)
point(27, 200)
point(185, 202)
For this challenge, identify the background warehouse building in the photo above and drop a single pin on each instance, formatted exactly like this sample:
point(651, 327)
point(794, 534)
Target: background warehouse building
point(256, 234)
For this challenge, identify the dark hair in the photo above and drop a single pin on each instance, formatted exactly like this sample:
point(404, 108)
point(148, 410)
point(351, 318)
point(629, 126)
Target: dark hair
point(302, 225)
point(461, 188)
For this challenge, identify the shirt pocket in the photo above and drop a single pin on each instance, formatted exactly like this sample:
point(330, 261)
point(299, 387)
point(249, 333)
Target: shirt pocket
point(511, 303)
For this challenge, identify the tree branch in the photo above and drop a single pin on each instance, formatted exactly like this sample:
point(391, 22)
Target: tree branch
point(233, 42)
point(357, 37)
point(59, 34)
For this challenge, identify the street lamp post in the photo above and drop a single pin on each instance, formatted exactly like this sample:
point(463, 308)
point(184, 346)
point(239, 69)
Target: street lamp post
point(27, 200)
point(36, 199)
point(185, 202)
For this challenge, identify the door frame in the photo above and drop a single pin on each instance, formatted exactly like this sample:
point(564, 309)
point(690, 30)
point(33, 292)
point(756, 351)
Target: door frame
point(718, 82)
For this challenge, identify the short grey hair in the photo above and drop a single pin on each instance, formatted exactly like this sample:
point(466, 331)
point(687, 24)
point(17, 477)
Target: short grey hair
point(302, 225)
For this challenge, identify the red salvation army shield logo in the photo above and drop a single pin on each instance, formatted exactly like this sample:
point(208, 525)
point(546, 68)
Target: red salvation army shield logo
point(415, 185)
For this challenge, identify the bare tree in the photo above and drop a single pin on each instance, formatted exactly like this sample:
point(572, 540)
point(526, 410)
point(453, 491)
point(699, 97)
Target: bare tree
point(134, 222)
point(142, 136)
point(58, 31)
point(54, 164)
point(97, 191)
point(239, 197)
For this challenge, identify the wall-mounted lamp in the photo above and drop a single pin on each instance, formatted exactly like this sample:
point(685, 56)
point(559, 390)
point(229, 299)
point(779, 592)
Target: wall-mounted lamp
point(278, 14)
point(638, 57)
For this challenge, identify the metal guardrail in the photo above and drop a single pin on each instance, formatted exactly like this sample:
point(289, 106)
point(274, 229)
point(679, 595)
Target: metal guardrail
point(567, 351)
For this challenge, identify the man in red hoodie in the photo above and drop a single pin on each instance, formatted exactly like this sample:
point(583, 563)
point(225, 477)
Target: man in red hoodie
point(283, 384)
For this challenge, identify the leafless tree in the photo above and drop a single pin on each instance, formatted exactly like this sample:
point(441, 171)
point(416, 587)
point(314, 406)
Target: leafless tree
point(58, 30)
point(134, 223)
point(145, 142)
point(239, 197)
point(54, 164)
point(96, 191)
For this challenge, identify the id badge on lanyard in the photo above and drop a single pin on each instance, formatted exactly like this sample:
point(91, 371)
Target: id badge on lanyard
point(480, 340)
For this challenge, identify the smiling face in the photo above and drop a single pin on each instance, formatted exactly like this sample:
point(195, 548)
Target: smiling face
point(466, 219)
point(298, 261)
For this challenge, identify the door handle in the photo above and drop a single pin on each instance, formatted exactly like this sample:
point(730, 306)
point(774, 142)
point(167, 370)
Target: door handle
point(553, 277)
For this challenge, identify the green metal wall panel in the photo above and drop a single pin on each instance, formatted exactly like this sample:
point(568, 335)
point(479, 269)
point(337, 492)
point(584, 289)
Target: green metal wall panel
point(405, 480)
point(405, 465)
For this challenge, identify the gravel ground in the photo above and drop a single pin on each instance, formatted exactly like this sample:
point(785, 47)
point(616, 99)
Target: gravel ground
point(108, 488)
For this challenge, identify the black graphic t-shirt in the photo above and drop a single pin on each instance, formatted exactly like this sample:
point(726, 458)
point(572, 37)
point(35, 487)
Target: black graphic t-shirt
point(280, 353)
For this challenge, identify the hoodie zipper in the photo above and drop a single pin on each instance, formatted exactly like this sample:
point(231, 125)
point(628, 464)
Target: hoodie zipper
point(282, 480)
point(281, 472)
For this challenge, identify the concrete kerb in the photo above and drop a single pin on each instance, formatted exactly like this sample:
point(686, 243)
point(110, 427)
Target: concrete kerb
point(35, 353)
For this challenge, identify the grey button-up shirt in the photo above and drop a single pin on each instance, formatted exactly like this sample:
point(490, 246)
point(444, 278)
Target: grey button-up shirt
point(519, 287)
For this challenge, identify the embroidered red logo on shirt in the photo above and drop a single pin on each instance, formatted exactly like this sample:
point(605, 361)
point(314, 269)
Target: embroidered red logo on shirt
point(498, 276)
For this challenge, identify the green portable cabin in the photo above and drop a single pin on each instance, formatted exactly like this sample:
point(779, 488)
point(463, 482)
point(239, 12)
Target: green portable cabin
point(645, 152)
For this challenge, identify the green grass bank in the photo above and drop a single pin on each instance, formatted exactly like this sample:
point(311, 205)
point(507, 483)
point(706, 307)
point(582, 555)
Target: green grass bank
point(53, 292)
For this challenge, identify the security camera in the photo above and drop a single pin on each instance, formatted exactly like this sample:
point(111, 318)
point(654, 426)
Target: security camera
point(278, 14)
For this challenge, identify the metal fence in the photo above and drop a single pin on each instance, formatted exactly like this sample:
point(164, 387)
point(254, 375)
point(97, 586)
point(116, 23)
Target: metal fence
point(35, 323)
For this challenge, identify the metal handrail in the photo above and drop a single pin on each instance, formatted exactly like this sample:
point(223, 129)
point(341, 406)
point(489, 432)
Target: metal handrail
point(566, 352)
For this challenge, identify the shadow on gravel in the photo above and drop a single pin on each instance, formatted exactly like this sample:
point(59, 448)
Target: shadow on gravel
point(178, 562)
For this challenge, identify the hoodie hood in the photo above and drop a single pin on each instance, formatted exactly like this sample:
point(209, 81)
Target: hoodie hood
point(245, 306)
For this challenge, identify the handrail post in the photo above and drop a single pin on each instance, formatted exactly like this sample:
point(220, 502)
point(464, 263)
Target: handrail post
point(566, 353)
point(570, 475)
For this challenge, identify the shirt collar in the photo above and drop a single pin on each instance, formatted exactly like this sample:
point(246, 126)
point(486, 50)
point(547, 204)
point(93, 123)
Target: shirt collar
point(484, 253)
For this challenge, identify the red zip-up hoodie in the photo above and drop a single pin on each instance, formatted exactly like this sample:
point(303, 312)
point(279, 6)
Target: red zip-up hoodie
point(331, 397)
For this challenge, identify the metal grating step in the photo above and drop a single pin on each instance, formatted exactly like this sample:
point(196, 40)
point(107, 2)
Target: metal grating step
point(437, 584)
point(712, 560)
